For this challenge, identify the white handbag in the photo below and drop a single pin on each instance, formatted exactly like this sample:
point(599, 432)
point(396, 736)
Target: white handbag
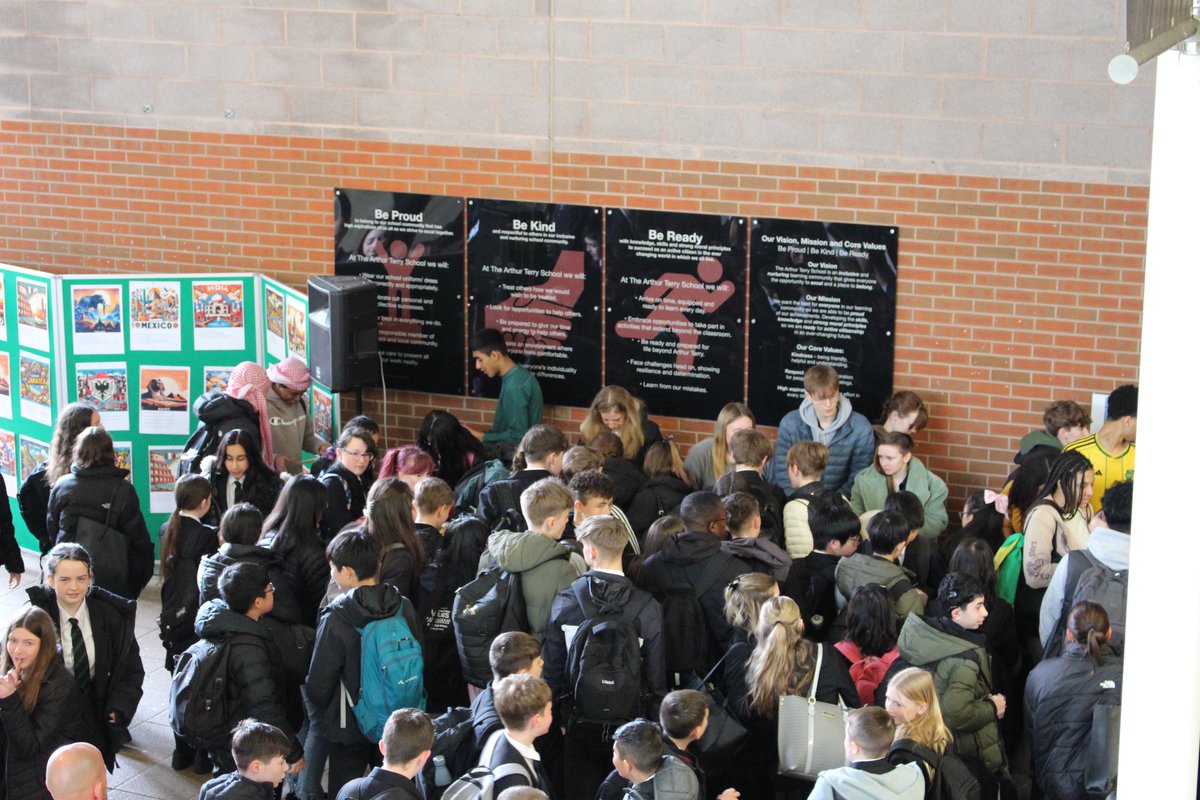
point(811, 733)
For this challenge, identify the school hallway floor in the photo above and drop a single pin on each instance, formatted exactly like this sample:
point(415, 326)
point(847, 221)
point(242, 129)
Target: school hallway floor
point(144, 766)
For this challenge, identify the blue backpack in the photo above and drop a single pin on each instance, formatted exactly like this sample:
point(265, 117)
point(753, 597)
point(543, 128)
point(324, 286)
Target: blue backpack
point(391, 670)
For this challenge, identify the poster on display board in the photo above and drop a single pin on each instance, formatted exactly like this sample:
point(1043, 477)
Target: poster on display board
point(322, 413)
point(411, 247)
point(164, 400)
point(3, 311)
point(96, 313)
point(161, 463)
point(219, 315)
point(36, 387)
point(276, 338)
point(534, 273)
point(5, 386)
point(33, 319)
point(675, 300)
point(154, 315)
point(105, 387)
point(821, 293)
point(8, 461)
point(32, 454)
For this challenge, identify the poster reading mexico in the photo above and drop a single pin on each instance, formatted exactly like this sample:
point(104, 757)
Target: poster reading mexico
point(218, 316)
point(164, 400)
point(33, 326)
point(97, 327)
point(154, 315)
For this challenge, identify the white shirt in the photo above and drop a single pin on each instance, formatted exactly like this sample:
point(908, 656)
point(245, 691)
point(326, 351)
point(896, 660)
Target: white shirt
point(64, 635)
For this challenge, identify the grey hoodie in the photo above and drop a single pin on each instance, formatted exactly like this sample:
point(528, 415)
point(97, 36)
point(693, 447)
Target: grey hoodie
point(673, 781)
point(292, 431)
point(869, 781)
point(808, 414)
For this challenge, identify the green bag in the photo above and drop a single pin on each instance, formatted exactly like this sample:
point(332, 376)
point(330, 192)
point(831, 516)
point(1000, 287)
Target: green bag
point(1008, 562)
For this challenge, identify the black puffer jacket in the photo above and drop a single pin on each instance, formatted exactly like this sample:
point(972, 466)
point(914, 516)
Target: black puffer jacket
point(255, 669)
point(29, 739)
point(226, 413)
point(607, 594)
point(627, 478)
point(32, 501)
point(681, 562)
point(345, 497)
point(180, 593)
point(1059, 698)
point(657, 497)
point(117, 684)
point(87, 493)
point(287, 606)
point(338, 653)
point(305, 577)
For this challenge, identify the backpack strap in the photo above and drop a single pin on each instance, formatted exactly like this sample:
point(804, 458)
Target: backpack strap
point(812, 690)
point(898, 588)
point(508, 770)
point(507, 500)
point(708, 577)
point(345, 486)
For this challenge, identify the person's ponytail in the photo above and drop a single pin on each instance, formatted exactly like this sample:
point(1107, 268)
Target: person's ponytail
point(1088, 625)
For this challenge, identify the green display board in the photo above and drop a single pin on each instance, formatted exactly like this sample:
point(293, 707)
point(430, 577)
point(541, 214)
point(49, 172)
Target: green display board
point(285, 333)
point(142, 349)
point(30, 384)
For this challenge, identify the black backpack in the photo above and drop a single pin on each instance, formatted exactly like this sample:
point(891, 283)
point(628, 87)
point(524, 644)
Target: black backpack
point(201, 704)
point(952, 780)
point(483, 609)
point(604, 664)
point(453, 740)
point(685, 631)
point(511, 518)
point(203, 442)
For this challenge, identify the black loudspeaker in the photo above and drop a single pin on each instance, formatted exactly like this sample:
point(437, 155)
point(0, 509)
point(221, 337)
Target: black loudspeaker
point(343, 332)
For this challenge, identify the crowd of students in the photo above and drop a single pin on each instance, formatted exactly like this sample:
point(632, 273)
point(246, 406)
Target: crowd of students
point(641, 597)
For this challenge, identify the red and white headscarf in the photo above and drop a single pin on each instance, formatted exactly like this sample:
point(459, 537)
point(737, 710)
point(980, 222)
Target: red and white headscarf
point(250, 382)
point(291, 373)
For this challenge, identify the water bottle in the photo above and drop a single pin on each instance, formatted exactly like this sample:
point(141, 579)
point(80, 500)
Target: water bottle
point(441, 775)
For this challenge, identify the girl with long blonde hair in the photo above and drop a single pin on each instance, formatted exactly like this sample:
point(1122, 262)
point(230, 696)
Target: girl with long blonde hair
point(708, 460)
point(913, 705)
point(616, 410)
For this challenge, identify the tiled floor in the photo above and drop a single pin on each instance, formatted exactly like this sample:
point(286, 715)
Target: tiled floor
point(144, 767)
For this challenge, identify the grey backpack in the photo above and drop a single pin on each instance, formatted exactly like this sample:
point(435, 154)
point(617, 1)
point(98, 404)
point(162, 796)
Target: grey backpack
point(1090, 579)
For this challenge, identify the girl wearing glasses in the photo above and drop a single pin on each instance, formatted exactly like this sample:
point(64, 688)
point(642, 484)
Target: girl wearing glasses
point(346, 482)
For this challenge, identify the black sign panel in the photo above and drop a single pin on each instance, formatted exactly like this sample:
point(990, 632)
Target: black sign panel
point(676, 297)
point(821, 293)
point(534, 274)
point(411, 247)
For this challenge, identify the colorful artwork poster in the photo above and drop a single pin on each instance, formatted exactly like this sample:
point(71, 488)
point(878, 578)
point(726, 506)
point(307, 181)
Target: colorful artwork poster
point(297, 329)
point(219, 315)
point(5, 386)
point(676, 309)
point(216, 378)
point(8, 461)
point(163, 462)
point(33, 321)
point(276, 341)
point(98, 326)
point(411, 247)
point(154, 316)
point(105, 387)
point(164, 400)
point(821, 293)
point(34, 373)
point(322, 413)
point(124, 454)
point(3, 312)
point(533, 273)
point(33, 455)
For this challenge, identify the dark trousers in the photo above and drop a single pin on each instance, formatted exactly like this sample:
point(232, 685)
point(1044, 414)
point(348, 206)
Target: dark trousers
point(587, 757)
point(347, 762)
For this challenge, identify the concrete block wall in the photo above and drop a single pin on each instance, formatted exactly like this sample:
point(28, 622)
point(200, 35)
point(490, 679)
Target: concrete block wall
point(1012, 89)
point(1012, 292)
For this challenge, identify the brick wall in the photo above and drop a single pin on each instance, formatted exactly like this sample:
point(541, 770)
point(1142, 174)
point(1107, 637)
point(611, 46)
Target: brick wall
point(1012, 292)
